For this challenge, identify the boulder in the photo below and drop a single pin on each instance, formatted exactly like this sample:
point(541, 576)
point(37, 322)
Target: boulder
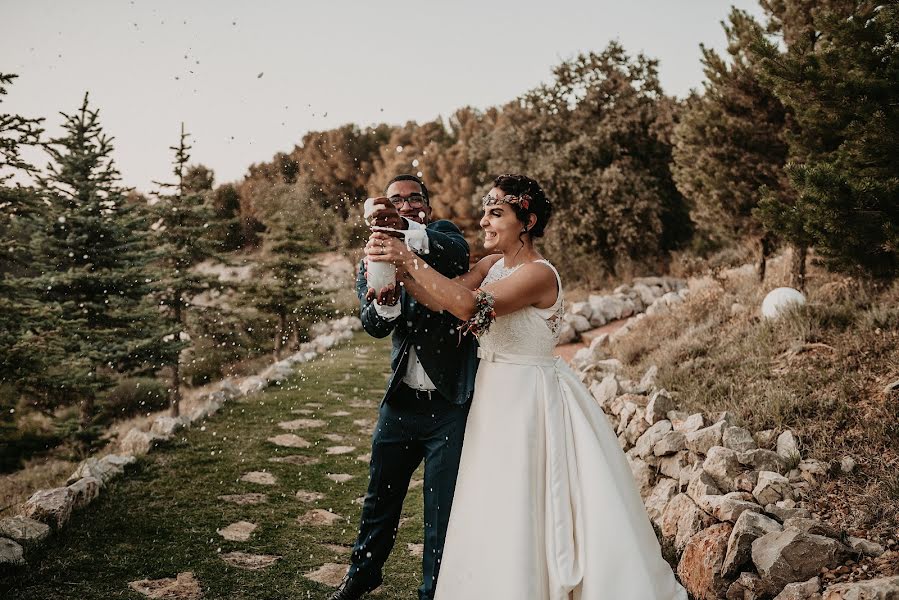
point(648, 381)
point(885, 588)
point(647, 441)
point(581, 308)
point(858, 545)
point(722, 465)
point(771, 487)
point(739, 439)
point(677, 507)
point(702, 484)
point(672, 465)
point(228, 389)
point(746, 481)
point(252, 384)
point(94, 467)
point(659, 404)
point(749, 527)
point(787, 445)
point(577, 322)
point(670, 443)
point(763, 460)
point(700, 566)
point(567, 335)
point(692, 423)
point(811, 526)
point(605, 391)
point(138, 442)
point(636, 427)
point(805, 590)
point(792, 555)
point(165, 427)
point(748, 586)
point(701, 440)
point(53, 506)
point(85, 491)
point(658, 499)
point(783, 513)
point(11, 553)
point(24, 531)
point(644, 475)
point(691, 522)
point(728, 507)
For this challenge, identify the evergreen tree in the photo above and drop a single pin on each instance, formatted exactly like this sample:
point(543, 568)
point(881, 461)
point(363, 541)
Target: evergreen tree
point(286, 286)
point(729, 143)
point(95, 260)
point(842, 88)
point(225, 227)
point(182, 218)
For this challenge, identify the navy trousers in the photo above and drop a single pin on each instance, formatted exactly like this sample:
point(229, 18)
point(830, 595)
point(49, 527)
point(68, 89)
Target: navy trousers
point(411, 427)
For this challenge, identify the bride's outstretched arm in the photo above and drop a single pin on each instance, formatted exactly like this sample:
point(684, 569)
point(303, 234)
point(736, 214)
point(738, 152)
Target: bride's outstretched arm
point(531, 284)
point(470, 281)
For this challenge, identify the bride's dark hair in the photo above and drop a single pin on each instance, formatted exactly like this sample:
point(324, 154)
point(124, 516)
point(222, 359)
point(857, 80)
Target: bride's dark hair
point(538, 203)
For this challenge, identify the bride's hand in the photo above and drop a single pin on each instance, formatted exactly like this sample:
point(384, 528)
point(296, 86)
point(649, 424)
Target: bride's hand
point(385, 248)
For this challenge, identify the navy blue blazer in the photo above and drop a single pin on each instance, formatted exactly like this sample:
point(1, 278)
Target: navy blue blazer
point(450, 363)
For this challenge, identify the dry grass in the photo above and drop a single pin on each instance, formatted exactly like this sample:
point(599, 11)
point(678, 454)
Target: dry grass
point(820, 371)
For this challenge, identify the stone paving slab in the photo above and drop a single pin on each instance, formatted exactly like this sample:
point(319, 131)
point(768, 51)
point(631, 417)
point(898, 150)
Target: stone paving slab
point(250, 562)
point(304, 496)
point(328, 574)
point(340, 450)
point(301, 424)
point(339, 477)
point(290, 440)
point(259, 477)
point(245, 499)
point(183, 587)
point(295, 459)
point(319, 517)
point(238, 532)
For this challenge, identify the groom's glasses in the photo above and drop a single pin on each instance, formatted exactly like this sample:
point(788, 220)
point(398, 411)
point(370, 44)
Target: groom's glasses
point(414, 200)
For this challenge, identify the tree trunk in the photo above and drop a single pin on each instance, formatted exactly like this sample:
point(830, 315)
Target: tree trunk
point(281, 335)
point(87, 411)
point(797, 267)
point(766, 246)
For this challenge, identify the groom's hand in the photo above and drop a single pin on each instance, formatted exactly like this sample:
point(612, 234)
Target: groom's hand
point(387, 215)
point(387, 296)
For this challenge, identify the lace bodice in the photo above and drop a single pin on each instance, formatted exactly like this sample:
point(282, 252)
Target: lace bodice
point(531, 331)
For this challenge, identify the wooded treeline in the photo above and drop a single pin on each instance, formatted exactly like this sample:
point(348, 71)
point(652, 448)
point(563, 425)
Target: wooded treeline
point(792, 140)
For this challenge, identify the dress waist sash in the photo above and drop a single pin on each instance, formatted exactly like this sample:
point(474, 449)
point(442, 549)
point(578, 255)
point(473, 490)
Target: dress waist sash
point(517, 359)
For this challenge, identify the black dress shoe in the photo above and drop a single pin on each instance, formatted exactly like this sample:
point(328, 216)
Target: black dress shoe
point(351, 589)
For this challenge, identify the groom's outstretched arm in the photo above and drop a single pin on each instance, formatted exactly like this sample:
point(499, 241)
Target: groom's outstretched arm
point(373, 323)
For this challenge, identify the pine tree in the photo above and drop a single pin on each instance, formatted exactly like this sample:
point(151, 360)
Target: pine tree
point(729, 144)
point(182, 218)
point(843, 91)
point(286, 285)
point(95, 260)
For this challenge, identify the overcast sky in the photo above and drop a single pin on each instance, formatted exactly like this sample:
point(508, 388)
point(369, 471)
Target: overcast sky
point(249, 79)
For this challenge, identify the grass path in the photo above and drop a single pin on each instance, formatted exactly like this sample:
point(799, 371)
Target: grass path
point(162, 518)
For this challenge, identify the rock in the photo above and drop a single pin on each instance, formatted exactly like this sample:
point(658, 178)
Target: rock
point(339, 477)
point(228, 389)
point(183, 587)
point(259, 477)
point(763, 460)
point(339, 450)
point(166, 426)
point(677, 506)
point(644, 476)
point(105, 471)
point(250, 562)
point(783, 514)
point(204, 410)
point(304, 496)
point(701, 440)
point(691, 424)
point(812, 471)
point(722, 465)
point(648, 381)
point(702, 484)
point(302, 424)
point(319, 517)
point(577, 322)
point(748, 586)
point(766, 438)
point(328, 574)
point(729, 507)
point(245, 499)
point(53, 507)
point(670, 443)
point(787, 446)
point(25, 531)
point(739, 439)
point(651, 436)
point(691, 522)
point(792, 555)
point(581, 308)
point(749, 527)
point(724, 415)
point(238, 532)
point(771, 487)
point(295, 459)
point(606, 391)
point(700, 566)
point(252, 385)
point(847, 464)
point(85, 491)
point(813, 526)
point(806, 590)
point(659, 404)
point(780, 300)
point(863, 546)
point(118, 461)
point(672, 465)
point(11, 553)
point(746, 481)
point(636, 427)
point(885, 588)
point(658, 499)
point(138, 442)
point(567, 334)
point(289, 440)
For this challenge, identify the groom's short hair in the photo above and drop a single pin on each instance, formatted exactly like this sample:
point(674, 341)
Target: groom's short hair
point(421, 184)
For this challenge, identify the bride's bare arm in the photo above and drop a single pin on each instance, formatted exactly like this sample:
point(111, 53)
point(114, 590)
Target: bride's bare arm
point(470, 280)
point(532, 284)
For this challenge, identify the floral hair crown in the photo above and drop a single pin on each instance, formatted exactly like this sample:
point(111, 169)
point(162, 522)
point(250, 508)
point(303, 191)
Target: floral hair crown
point(524, 200)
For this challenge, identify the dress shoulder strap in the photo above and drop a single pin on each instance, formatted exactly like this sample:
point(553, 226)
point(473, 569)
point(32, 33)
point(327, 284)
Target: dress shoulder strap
point(558, 281)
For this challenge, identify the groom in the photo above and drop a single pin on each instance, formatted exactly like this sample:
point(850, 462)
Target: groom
point(423, 412)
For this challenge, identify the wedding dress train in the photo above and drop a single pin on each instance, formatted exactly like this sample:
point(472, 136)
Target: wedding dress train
point(545, 506)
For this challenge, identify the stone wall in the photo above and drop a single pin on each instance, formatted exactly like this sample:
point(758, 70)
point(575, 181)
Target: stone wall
point(50, 509)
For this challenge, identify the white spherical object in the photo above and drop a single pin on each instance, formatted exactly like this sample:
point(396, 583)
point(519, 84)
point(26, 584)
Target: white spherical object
point(779, 300)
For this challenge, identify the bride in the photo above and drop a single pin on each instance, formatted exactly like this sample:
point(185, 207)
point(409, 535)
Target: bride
point(545, 506)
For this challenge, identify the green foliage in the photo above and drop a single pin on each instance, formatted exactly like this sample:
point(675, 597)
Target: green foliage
point(842, 88)
point(16, 131)
point(729, 141)
point(132, 396)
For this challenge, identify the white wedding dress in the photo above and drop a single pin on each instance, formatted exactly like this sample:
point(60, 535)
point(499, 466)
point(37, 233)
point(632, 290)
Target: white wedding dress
point(545, 506)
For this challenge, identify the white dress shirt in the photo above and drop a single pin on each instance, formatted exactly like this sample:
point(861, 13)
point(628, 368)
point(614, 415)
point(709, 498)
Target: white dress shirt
point(416, 377)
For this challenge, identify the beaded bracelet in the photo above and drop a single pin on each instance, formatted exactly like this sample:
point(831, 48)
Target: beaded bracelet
point(483, 317)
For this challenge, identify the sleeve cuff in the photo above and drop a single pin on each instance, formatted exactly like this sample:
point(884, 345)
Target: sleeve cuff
point(417, 240)
point(387, 312)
